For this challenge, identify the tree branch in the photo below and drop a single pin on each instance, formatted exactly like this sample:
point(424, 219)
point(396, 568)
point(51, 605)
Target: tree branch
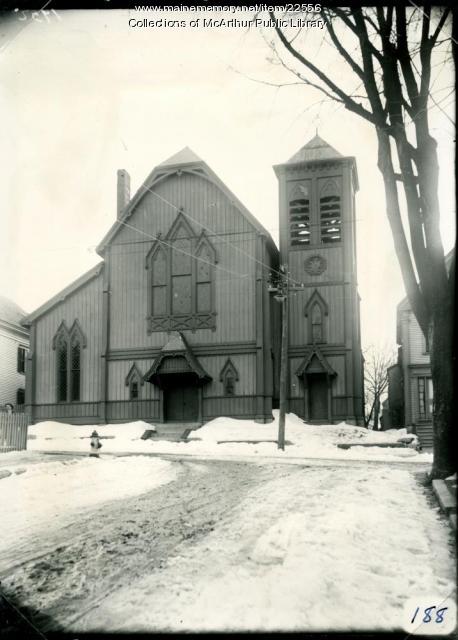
point(350, 104)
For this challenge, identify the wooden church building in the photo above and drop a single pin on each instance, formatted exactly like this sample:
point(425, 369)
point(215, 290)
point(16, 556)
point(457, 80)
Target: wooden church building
point(177, 322)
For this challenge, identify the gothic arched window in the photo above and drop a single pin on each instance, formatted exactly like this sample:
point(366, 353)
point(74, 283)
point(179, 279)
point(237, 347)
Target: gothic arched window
point(317, 323)
point(299, 216)
point(181, 280)
point(68, 344)
point(316, 312)
point(134, 380)
point(62, 368)
point(330, 214)
point(229, 376)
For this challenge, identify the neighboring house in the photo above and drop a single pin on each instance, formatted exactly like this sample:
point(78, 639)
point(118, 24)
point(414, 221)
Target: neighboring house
point(177, 323)
point(410, 387)
point(14, 344)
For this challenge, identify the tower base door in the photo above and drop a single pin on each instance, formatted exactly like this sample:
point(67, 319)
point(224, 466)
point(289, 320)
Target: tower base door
point(181, 404)
point(318, 397)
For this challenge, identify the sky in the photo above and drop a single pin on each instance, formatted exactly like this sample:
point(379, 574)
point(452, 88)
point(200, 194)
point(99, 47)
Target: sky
point(84, 94)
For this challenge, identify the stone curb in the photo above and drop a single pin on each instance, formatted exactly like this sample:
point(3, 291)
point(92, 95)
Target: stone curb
point(446, 497)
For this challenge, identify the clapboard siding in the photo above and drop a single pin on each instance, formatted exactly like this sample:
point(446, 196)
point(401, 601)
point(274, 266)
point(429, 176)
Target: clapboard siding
point(84, 305)
point(413, 338)
point(10, 379)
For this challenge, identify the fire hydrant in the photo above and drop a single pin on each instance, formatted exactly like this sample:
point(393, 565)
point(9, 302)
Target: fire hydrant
point(95, 445)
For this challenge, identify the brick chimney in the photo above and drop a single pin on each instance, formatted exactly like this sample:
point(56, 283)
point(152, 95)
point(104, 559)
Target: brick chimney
point(123, 190)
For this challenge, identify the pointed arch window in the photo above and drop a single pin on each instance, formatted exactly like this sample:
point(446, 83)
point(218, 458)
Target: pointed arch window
point(68, 344)
point(317, 323)
point(330, 213)
point(229, 376)
point(181, 280)
point(134, 380)
point(316, 312)
point(299, 216)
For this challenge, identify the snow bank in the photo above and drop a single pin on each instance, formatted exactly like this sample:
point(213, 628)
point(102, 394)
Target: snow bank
point(305, 551)
point(51, 491)
point(231, 437)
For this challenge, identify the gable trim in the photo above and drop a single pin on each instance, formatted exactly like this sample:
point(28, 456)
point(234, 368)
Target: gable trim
point(160, 173)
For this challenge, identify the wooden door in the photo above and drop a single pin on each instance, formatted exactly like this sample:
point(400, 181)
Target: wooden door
point(318, 397)
point(181, 404)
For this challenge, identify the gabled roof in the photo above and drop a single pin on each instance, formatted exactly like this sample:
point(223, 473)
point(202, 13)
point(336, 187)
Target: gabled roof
point(62, 295)
point(10, 312)
point(185, 161)
point(177, 346)
point(309, 366)
point(182, 157)
point(315, 149)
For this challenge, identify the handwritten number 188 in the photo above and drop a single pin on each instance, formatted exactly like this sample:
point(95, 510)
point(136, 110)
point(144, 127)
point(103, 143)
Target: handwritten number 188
point(427, 617)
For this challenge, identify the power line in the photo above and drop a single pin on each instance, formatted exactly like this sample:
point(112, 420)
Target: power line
point(186, 253)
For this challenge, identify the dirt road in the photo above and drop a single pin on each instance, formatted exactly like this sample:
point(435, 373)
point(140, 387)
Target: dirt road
point(74, 568)
point(335, 546)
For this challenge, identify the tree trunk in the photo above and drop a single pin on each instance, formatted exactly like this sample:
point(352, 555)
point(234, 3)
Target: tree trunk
point(441, 352)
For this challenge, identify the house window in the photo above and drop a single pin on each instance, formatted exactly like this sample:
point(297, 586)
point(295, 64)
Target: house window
point(181, 281)
point(21, 352)
point(134, 390)
point(330, 214)
point(68, 344)
point(425, 341)
point(425, 398)
point(229, 376)
point(299, 216)
point(20, 397)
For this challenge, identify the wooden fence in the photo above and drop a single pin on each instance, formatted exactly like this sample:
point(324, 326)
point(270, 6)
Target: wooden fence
point(13, 431)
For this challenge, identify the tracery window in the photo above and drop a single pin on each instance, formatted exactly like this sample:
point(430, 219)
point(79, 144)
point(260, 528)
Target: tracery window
point(181, 280)
point(68, 344)
point(330, 214)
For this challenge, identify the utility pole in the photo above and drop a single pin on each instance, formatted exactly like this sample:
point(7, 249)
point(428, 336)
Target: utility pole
point(281, 296)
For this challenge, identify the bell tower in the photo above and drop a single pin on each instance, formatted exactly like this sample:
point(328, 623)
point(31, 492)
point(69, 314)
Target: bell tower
point(317, 189)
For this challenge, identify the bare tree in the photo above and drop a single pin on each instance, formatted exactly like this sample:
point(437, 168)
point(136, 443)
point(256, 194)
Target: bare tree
point(389, 52)
point(377, 360)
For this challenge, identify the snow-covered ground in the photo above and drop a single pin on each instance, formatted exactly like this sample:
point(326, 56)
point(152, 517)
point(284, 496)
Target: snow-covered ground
point(139, 543)
point(311, 549)
point(227, 436)
point(48, 494)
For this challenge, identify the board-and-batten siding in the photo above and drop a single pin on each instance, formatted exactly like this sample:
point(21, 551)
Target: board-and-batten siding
point(234, 284)
point(334, 321)
point(84, 305)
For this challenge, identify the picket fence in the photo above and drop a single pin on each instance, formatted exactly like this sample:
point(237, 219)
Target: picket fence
point(13, 431)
